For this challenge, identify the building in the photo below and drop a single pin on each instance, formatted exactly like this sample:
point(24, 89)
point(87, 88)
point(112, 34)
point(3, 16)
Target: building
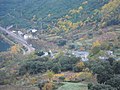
point(33, 30)
point(28, 36)
point(82, 54)
point(20, 33)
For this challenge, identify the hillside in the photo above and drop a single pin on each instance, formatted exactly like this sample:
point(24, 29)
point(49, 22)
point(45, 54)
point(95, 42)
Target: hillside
point(30, 13)
point(72, 44)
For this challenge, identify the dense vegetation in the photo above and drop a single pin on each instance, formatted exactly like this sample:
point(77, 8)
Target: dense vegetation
point(31, 13)
point(68, 25)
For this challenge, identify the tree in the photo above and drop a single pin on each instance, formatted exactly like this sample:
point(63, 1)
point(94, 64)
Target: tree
point(95, 50)
point(50, 75)
point(111, 60)
point(48, 86)
point(56, 68)
point(15, 49)
point(96, 43)
point(102, 87)
point(32, 67)
point(61, 42)
point(116, 67)
point(114, 82)
point(103, 69)
point(85, 76)
point(67, 62)
point(79, 66)
point(40, 53)
point(110, 15)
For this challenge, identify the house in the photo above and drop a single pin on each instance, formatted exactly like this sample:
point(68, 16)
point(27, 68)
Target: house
point(33, 30)
point(82, 54)
point(28, 36)
point(49, 53)
point(102, 57)
point(110, 53)
point(13, 31)
point(45, 54)
point(20, 33)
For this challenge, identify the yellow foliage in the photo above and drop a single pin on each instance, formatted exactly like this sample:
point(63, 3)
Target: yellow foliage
point(15, 49)
point(86, 75)
point(74, 26)
point(75, 11)
point(50, 75)
point(80, 65)
point(110, 6)
point(58, 75)
point(80, 8)
point(110, 10)
point(96, 43)
point(81, 39)
point(67, 79)
point(33, 80)
point(48, 86)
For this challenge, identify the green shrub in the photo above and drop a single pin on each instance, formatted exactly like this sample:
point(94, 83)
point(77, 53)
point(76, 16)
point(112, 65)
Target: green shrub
point(32, 67)
point(61, 42)
point(102, 87)
point(114, 82)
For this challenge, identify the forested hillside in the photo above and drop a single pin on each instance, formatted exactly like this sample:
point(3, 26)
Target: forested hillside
point(30, 13)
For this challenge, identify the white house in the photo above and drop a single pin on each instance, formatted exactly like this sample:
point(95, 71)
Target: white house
point(110, 53)
point(13, 31)
point(20, 33)
point(28, 36)
point(82, 54)
point(33, 30)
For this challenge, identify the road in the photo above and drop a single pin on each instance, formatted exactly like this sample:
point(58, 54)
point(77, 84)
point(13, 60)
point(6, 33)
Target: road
point(19, 40)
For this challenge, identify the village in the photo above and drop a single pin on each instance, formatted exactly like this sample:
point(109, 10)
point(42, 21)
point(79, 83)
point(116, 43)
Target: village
point(32, 34)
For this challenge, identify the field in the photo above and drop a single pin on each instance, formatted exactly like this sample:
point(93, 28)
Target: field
point(73, 86)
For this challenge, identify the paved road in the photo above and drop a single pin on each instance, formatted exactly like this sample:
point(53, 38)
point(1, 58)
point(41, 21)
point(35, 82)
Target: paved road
point(19, 39)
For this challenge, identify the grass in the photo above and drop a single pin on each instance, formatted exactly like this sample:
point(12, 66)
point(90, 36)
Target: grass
point(73, 86)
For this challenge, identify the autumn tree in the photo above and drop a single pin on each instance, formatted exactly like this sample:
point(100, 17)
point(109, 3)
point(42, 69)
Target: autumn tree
point(48, 86)
point(110, 13)
point(50, 75)
point(15, 48)
point(79, 66)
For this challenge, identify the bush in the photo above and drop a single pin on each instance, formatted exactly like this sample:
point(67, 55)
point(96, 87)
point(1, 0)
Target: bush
point(90, 85)
point(48, 86)
point(79, 67)
point(103, 69)
point(116, 67)
point(61, 42)
point(56, 68)
point(102, 87)
point(85, 76)
point(40, 53)
point(114, 82)
point(62, 78)
point(67, 62)
point(6, 78)
point(32, 67)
